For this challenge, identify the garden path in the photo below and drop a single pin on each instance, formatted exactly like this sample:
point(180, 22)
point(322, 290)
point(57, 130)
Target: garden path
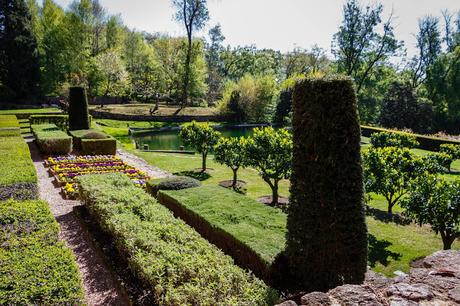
point(142, 165)
point(99, 282)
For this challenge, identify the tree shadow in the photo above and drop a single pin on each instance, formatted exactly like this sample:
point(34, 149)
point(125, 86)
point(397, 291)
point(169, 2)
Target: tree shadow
point(198, 175)
point(385, 216)
point(378, 252)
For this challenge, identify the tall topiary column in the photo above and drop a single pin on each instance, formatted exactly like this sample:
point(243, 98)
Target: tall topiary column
point(78, 109)
point(327, 234)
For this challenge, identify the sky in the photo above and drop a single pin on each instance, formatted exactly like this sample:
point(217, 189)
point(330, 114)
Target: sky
point(276, 24)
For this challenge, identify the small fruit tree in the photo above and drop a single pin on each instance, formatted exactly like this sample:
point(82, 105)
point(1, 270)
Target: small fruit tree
point(327, 236)
point(385, 139)
point(435, 202)
point(232, 153)
point(200, 136)
point(389, 171)
point(78, 109)
point(452, 150)
point(270, 152)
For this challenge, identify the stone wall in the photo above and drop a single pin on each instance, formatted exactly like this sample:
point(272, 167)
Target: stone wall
point(434, 280)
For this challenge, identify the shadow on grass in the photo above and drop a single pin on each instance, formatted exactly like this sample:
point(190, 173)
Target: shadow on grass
point(378, 252)
point(385, 216)
point(201, 176)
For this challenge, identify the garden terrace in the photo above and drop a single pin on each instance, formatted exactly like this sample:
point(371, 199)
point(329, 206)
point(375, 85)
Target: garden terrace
point(51, 140)
point(171, 258)
point(18, 178)
point(36, 268)
point(252, 233)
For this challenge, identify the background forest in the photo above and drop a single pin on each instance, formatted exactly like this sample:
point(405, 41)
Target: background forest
point(51, 48)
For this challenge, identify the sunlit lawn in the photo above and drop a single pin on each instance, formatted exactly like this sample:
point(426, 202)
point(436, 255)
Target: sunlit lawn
point(391, 246)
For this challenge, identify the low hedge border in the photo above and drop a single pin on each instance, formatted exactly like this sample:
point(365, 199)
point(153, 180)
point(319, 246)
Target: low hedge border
point(35, 269)
point(9, 122)
point(62, 121)
point(171, 183)
point(51, 140)
point(425, 142)
point(86, 142)
point(18, 178)
point(236, 227)
point(174, 261)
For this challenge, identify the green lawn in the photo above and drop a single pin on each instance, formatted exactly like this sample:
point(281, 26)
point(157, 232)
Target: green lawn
point(30, 111)
point(392, 246)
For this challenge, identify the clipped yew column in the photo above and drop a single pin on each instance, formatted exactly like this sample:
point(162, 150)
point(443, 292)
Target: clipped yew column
point(327, 233)
point(78, 109)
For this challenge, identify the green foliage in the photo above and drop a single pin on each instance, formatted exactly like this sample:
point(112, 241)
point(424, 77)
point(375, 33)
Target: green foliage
point(201, 136)
point(178, 265)
point(62, 121)
point(36, 268)
point(399, 140)
point(19, 63)
point(326, 188)
point(439, 161)
point(51, 140)
point(435, 202)
point(106, 146)
point(284, 107)
point(389, 171)
point(232, 153)
point(269, 151)
point(401, 109)
point(78, 109)
point(256, 100)
point(18, 178)
point(254, 234)
point(171, 183)
point(451, 149)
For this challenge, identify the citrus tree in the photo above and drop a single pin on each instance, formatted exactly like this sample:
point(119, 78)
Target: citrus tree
point(200, 136)
point(452, 150)
point(232, 153)
point(270, 152)
point(388, 171)
point(436, 202)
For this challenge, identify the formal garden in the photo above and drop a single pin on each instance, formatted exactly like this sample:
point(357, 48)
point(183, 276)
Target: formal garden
point(141, 168)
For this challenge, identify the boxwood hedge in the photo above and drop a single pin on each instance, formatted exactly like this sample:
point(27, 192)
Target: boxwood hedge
point(252, 233)
point(167, 255)
point(18, 178)
point(8, 121)
point(35, 269)
point(51, 140)
point(93, 142)
point(171, 183)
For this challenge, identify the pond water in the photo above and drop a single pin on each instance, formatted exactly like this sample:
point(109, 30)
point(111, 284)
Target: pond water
point(170, 140)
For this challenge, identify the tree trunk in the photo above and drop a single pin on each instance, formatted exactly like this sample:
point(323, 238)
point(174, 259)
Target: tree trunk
point(235, 179)
point(187, 73)
point(274, 193)
point(203, 162)
point(447, 239)
point(390, 206)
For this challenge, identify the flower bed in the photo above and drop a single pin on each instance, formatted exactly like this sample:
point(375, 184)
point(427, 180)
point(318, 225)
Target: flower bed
point(66, 169)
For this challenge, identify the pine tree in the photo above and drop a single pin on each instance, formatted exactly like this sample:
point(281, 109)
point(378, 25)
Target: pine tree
point(19, 62)
point(327, 235)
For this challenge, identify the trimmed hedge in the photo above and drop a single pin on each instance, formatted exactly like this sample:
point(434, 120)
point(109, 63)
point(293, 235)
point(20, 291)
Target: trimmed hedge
point(78, 109)
point(179, 266)
point(171, 183)
point(9, 122)
point(384, 139)
point(62, 121)
point(327, 235)
point(426, 142)
point(18, 178)
point(94, 142)
point(35, 269)
point(51, 140)
point(252, 233)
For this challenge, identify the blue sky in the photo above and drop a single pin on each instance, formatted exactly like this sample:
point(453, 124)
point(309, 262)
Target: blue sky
point(276, 24)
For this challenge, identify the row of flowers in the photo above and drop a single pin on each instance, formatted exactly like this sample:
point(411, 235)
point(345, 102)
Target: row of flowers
point(67, 168)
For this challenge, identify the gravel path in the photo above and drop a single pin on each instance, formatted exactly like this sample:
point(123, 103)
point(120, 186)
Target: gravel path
point(142, 165)
point(100, 284)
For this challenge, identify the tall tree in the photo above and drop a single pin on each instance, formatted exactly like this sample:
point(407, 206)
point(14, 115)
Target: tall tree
point(428, 48)
point(359, 46)
point(214, 49)
point(19, 59)
point(194, 14)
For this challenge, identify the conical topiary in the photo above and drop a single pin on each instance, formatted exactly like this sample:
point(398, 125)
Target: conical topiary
point(327, 234)
point(78, 109)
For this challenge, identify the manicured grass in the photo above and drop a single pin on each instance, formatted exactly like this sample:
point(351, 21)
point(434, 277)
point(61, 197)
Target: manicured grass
point(35, 269)
point(178, 265)
point(260, 227)
point(16, 163)
point(30, 111)
point(164, 110)
point(8, 121)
